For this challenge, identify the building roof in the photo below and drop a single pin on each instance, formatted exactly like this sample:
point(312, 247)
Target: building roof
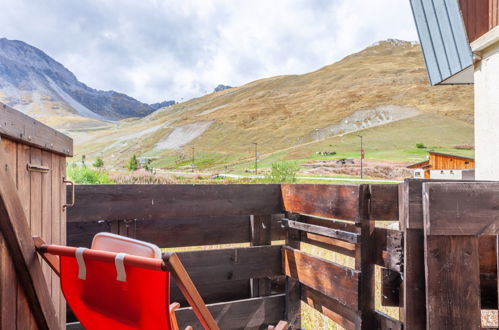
point(450, 155)
point(444, 41)
point(422, 164)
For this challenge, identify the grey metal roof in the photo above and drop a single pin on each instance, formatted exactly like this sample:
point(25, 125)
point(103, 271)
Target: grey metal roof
point(443, 38)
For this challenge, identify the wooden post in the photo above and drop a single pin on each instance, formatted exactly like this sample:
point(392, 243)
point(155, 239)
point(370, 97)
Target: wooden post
point(452, 226)
point(261, 227)
point(411, 221)
point(293, 287)
point(365, 259)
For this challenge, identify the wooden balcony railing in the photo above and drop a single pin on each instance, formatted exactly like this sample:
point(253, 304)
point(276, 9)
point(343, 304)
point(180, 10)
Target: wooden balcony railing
point(257, 283)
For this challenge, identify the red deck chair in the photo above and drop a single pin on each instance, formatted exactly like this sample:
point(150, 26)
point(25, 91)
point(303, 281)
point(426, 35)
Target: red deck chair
point(122, 283)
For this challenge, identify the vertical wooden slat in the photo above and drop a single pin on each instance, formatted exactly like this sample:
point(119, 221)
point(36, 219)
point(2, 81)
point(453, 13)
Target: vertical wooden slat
point(55, 187)
point(8, 280)
point(414, 300)
point(292, 286)
point(261, 235)
point(35, 218)
point(46, 212)
point(62, 219)
point(365, 259)
point(452, 270)
point(452, 282)
point(25, 319)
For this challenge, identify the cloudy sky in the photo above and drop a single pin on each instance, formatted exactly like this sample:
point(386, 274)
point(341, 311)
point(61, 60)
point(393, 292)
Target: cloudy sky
point(156, 50)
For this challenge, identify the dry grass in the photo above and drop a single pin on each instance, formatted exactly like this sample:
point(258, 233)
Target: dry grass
point(284, 111)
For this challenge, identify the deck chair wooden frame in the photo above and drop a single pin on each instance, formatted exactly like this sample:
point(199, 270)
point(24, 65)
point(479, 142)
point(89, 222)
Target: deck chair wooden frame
point(169, 262)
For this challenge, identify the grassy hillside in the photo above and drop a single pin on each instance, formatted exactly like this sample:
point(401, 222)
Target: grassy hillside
point(382, 92)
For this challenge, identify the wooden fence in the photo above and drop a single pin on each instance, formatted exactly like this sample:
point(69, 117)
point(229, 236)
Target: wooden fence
point(259, 284)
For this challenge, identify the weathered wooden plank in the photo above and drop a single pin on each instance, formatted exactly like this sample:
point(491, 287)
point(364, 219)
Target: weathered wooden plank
point(462, 208)
point(326, 242)
point(383, 202)
point(14, 226)
point(232, 264)
point(8, 281)
point(147, 202)
point(453, 300)
point(386, 322)
point(169, 233)
point(329, 223)
point(229, 271)
point(63, 228)
point(292, 287)
point(25, 318)
point(390, 287)
point(336, 281)
point(322, 200)
point(261, 235)
point(215, 292)
point(364, 260)
point(17, 126)
point(47, 220)
point(195, 231)
point(337, 312)
point(242, 314)
point(323, 231)
point(80, 234)
point(414, 299)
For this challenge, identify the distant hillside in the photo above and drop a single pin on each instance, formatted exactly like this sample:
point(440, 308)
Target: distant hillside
point(221, 87)
point(382, 90)
point(35, 83)
point(163, 104)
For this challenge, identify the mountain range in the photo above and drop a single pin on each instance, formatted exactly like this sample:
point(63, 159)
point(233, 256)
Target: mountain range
point(381, 92)
point(33, 82)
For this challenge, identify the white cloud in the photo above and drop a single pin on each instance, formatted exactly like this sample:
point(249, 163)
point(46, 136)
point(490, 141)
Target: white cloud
point(155, 50)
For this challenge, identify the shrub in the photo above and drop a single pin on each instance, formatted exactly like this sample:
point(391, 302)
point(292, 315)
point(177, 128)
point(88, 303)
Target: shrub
point(420, 146)
point(282, 172)
point(85, 175)
point(133, 164)
point(99, 163)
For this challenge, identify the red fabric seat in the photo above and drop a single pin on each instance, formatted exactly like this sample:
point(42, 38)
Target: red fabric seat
point(102, 302)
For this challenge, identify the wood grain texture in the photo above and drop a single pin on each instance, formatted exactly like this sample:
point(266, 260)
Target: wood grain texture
point(261, 234)
point(230, 271)
point(338, 282)
point(461, 208)
point(322, 200)
point(243, 314)
point(14, 226)
point(184, 282)
point(169, 233)
point(383, 202)
point(147, 202)
point(323, 231)
point(8, 280)
point(19, 127)
point(414, 290)
point(453, 300)
point(365, 259)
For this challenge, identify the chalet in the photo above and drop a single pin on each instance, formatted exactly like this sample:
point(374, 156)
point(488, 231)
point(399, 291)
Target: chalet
point(444, 166)
point(460, 42)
